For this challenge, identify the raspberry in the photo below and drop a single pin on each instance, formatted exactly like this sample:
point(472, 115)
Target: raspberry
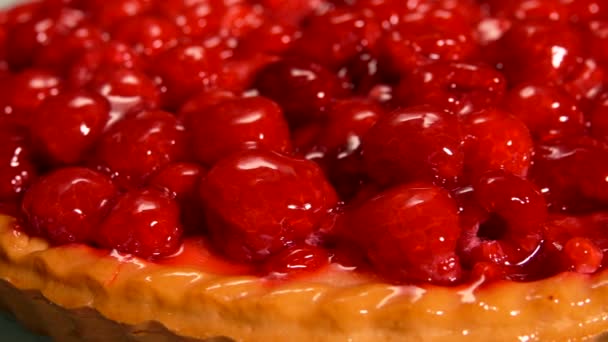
point(237, 124)
point(136, 147)
point(68, 125)
point(496, 140)
point(259, 202)
point(67, 205)
point(144, 223)
point(417, 143)
point(403, 245)
point(512, 229)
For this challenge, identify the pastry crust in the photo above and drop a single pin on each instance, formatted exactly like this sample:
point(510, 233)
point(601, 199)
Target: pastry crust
point(79, 293)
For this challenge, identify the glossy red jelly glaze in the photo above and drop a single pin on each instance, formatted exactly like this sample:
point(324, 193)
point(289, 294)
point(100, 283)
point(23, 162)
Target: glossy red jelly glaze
point(428, 141)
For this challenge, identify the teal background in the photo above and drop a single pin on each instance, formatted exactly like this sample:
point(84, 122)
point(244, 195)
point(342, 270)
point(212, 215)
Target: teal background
point(11, 331)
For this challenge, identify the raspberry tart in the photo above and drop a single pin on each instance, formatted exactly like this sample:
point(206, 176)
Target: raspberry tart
point(322, 170)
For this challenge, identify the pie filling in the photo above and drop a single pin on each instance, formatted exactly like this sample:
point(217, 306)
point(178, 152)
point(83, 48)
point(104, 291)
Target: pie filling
point(431, 146)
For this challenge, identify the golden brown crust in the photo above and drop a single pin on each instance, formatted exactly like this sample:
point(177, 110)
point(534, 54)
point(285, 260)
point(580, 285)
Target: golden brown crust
point(121, 298)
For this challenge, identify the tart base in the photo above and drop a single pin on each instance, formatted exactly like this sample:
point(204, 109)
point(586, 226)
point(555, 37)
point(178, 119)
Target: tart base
point(39, 315)
point(77, 293)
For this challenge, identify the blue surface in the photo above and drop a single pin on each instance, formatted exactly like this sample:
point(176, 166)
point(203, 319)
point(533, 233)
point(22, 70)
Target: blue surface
point(11, 331)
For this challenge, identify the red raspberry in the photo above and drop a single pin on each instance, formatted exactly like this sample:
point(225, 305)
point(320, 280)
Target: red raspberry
point(337, 144)
point(335, 37)
point(586, 239)
point(598, 118)
point(144, 223)
point(182, 181)
point(239, 73)
point(105, 57)
point(64, 49)
point(270, 38)
point(417, 143)
point(496, 140)
point(586, 10)
point(540, 52)
point(195, 18)
point(185, 70)
point(148, 35)
point(237, 124)
point(548, 111)
point(32, 33)
point(17, 169)
point(241, 18)
point(67, 205)
point(66, 126)
point(107, 13)
point(530, 10)
point(200, 102)
point(458, 87)
point(582, 255)
point(304, 90)
point(259, 202)
point(512, 229)
point(22, 93)
point(573, 173)
point(127, 91)
point(404, 245)
point(138, 146)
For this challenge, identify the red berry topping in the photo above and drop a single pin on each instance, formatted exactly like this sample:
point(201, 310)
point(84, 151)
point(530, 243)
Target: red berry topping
point(599, 118)
point(64, 49)
point(496, 140)
point(259, 202)
point(512, 230)
point(108, 13)
point(271, 38)
point(573, 173)
point(417, 143)
point(32, 33)
point(145, 223)
point(22, 93)
point(200, 102)
point(448, 129)
point(457, 87)
point(237, 124)
point(582, 255)
point(185, 70)
point(548, 111)
point(303, 89)
point(195, 18)
point(67, 205)
point(182, 181)
point(138, 146)
point(148, 35)
point(103, 57)
point(540, 52)
point(404, 245)
point(336, 36)
point(127, 91)
point(17, 169)
point(66, 126)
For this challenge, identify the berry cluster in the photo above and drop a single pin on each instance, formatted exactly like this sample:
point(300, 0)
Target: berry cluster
point(428, 141)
